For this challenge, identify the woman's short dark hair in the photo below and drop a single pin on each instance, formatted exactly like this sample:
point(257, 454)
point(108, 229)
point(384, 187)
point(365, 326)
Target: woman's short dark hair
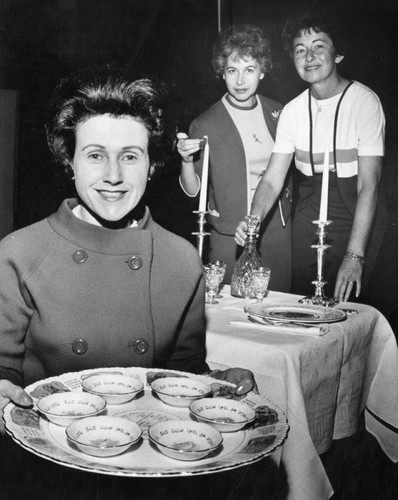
point(242, 40)
point(107, 89)
point(325, 21)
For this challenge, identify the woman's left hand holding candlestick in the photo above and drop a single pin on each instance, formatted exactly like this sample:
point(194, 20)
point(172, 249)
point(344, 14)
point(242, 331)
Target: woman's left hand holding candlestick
point(187, 148)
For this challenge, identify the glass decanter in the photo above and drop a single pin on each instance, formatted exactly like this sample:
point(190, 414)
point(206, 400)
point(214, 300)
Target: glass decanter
point(241, 281)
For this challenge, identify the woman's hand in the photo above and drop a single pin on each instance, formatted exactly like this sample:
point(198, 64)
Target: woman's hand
point(350, 273)
point(187, 147)
point(242, 378)
point(11, 392)
point(240, 234)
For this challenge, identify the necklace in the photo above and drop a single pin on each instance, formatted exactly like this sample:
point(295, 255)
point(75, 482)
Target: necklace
point(336, 114)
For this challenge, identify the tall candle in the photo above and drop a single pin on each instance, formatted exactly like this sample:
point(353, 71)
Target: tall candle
point(323, 209)
point(205, 177)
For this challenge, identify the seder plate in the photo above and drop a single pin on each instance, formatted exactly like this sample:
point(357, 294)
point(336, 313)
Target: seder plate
point(296, 314)
point(41, 437)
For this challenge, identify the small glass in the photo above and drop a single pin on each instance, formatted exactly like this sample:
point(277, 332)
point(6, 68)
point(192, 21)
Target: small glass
point(212, 281)
point(221, 267)
point(260, 281)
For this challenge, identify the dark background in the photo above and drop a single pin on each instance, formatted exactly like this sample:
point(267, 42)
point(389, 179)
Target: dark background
point(42, 41)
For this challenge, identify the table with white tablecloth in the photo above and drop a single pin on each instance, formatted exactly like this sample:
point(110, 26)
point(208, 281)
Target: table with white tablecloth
point(327, 381)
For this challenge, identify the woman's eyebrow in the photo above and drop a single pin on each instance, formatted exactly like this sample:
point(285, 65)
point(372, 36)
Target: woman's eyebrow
point(133, 146)
point(124, 148)
point(93, 146)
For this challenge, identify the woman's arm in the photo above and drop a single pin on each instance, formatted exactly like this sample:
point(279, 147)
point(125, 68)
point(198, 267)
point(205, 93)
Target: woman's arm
point(189, 179)
point(267, 190)
point(15, 306)
point(350, 271)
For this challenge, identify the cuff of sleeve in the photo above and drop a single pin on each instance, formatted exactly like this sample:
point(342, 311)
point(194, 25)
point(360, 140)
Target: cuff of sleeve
point(197, 191)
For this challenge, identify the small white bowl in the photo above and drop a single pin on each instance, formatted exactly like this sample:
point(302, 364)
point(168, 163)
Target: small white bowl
point(226, 415)
point(63, 408)
point(180, 391)
point(114, 388)
point(185, 439)
point(103, 436)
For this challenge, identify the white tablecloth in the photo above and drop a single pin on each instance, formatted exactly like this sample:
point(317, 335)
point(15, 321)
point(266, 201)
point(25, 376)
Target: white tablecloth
point(328, 380)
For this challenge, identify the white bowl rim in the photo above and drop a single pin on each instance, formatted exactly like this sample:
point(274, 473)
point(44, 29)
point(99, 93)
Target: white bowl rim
point(79, 422)
point(182, 396)
point(99, 400)
point(218, 400)
point(201, 450)
point(138, 382)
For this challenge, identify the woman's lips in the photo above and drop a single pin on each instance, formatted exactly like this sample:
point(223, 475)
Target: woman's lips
point(111, 195)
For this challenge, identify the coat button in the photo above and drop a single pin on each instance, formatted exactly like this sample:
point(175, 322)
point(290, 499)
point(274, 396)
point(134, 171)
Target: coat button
point(140, 346)
point(79, 346)
point(80, 256)
point(134, 262)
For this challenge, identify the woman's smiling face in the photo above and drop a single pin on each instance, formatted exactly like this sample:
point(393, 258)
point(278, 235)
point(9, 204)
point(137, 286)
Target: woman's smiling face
point(111, 166)
point(315, 57)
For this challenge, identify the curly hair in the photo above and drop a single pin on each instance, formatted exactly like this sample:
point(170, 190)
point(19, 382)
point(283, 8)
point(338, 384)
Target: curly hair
point(325, 21)
point(107, 89)
point(242, 40)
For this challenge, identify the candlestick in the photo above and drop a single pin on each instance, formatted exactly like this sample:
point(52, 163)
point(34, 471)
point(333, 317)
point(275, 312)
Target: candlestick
point(319, 298)
point(323, 209)
point(205, 176)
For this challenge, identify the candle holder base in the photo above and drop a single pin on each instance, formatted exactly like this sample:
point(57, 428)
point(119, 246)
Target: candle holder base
point(319, 301)
point(319, 298)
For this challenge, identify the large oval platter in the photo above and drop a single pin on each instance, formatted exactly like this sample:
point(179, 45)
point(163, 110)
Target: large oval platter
point(43, 438)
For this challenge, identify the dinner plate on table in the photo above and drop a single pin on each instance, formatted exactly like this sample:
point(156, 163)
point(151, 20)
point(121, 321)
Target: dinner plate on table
point(296, 314)
point(36, 434)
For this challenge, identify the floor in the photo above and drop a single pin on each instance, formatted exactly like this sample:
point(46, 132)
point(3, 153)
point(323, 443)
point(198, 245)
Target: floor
point(359, 470)
point(356, 466)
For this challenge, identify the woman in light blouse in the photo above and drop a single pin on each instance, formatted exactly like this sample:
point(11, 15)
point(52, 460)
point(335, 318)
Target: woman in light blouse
point(345, 119)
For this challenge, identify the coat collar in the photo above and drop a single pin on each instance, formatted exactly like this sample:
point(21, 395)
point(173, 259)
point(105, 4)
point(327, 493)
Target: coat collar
point(102, 239)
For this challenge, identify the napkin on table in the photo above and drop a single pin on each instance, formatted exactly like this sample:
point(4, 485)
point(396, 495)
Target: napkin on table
point(284, 328)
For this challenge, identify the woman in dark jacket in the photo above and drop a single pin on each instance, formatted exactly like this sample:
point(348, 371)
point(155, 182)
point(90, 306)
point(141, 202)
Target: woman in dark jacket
point(99, 283)
point(241, 131)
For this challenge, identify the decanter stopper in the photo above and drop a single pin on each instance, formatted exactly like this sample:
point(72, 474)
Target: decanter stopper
point(253, 224)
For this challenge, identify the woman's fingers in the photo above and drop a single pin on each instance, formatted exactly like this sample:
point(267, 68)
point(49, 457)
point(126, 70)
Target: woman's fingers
point(348, 279)
point(348, 290)
point(240, 234)
point(14, 393)
point(11, 392)
point(187, 147)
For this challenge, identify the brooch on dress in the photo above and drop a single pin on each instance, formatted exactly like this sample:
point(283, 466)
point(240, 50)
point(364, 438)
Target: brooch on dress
point(275, 114)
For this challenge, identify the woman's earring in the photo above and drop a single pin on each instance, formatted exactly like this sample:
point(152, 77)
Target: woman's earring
point(151, 172)
point(71, 171)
